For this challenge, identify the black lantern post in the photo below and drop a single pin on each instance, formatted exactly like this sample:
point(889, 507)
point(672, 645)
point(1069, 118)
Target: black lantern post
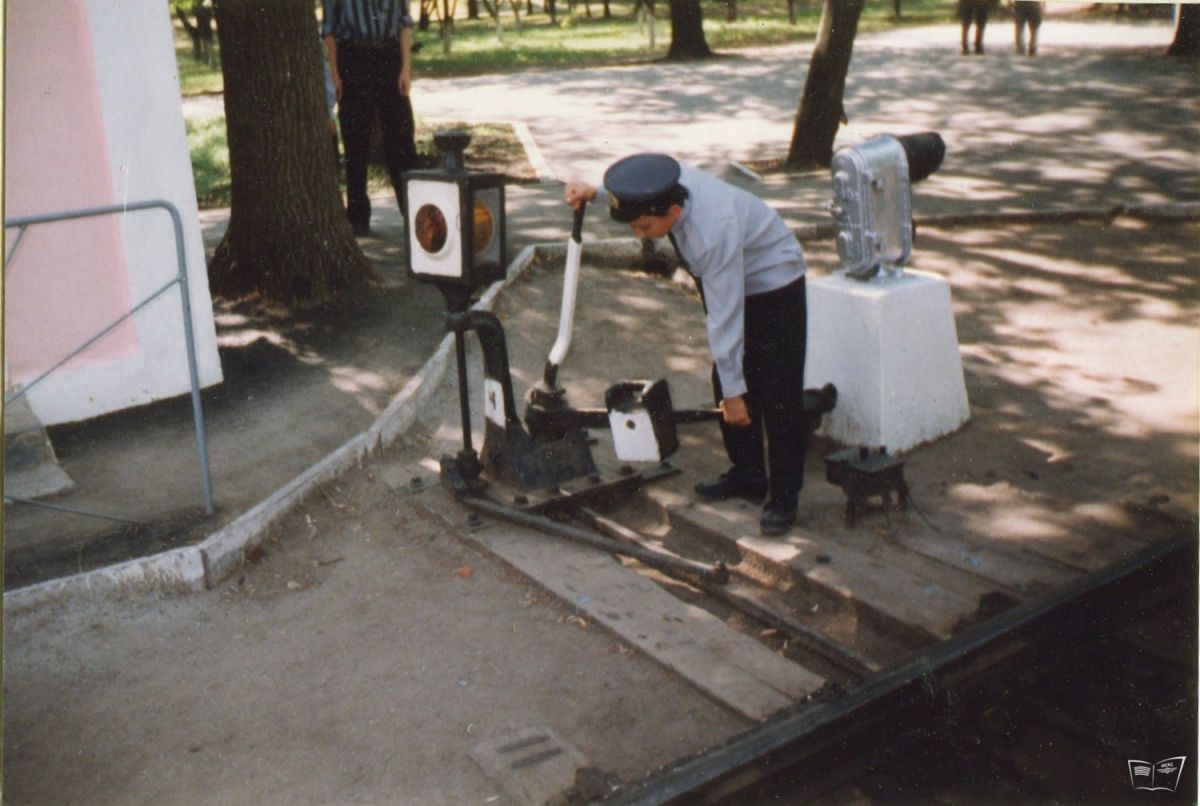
point(456, 239)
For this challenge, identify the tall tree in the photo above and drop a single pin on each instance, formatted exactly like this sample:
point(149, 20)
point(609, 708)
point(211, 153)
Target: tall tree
point(687, 32)
point(288, 238)
point(821, 110)
point(1187, 31)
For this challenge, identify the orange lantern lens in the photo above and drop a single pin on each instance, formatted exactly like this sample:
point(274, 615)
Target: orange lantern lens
point(484, 227)
point(431, 228)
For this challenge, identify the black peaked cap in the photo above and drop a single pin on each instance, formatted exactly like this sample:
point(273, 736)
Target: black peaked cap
point(638, 184)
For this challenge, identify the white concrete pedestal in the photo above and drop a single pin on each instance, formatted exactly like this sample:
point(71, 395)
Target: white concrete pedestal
point(891, 349)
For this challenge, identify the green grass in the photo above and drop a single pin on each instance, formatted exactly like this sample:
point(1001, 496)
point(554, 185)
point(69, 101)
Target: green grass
point(494, 147)
point(210, 160)
point(577, 41)
point(196, 76)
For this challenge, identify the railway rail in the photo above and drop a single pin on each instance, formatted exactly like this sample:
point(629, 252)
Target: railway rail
point(870, 734)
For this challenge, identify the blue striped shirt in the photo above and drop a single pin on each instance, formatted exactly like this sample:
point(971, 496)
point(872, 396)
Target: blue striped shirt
point(364, 20)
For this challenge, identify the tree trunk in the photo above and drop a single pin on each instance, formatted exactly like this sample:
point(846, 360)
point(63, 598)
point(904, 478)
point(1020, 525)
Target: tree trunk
point(447, 26)
point(821, 110)
point(1187, 31)
point(730, 10)
point(687, 32)
point(288, 238)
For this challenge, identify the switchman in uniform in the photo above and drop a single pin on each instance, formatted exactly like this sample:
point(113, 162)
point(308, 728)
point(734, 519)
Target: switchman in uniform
point(749, 269)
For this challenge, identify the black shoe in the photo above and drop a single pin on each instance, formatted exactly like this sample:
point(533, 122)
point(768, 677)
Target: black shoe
point(779, 515)
point(728, 486)
point(361, 229)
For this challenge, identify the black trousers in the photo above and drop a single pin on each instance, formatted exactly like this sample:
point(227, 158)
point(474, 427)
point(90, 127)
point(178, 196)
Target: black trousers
point(773, 366)
point(370, 76)
point(976, 11)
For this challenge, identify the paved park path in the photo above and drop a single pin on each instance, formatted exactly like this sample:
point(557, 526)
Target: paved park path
point(1099, 117)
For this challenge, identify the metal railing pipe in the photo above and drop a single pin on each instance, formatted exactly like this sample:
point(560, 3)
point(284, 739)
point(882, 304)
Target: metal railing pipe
point(23, 222)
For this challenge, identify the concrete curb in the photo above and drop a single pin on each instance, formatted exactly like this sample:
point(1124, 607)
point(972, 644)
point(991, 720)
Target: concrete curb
point(621, 251)
point(532, 152)
point(195, 568)
point(226, 549)
point(1176, 211)
point(399, 416)
point(176, 571)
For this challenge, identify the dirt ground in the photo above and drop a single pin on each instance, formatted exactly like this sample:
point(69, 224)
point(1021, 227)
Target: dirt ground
point(358, 659)
point(345, 362)
point(1080, 348)
point(367, 647)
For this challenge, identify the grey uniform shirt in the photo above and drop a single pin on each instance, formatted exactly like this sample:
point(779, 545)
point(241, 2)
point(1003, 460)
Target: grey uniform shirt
point(738, 247)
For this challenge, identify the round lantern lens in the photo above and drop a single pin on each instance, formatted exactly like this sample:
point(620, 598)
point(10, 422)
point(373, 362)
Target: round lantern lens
point(431, 228)
point(485, 227)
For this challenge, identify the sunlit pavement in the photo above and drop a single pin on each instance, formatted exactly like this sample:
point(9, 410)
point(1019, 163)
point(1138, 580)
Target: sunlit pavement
point(1099, 117)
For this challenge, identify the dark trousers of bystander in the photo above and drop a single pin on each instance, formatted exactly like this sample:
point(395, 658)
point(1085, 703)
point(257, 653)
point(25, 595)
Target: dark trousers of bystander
point(1027, 14)
point(776, 328)
point(974, 11)
point(370, 77)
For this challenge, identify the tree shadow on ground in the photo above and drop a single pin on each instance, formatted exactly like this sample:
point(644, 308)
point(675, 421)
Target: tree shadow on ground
point(1079, 358)
point(1075, 127)
point(296, 386)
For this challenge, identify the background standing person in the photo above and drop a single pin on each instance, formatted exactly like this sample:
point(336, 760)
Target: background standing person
point(973, 11)
point(369, 45)
point(1027, 13)
point(749, 269)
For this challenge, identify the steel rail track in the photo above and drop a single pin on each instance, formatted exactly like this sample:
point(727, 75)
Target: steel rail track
point(831, 733)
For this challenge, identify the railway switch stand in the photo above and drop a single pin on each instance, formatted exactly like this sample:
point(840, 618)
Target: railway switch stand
point(862, 473)
point(455, 238)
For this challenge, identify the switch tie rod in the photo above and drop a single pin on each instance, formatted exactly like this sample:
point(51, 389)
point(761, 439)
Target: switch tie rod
point(718, 574)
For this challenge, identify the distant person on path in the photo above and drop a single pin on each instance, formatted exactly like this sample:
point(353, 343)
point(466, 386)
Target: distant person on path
point(974, 11)
point(749, 269)
point(1027, 13)
point(369, 45)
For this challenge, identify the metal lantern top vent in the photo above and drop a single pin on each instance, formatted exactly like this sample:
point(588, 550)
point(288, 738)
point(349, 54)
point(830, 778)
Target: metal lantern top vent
point(452, 143)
